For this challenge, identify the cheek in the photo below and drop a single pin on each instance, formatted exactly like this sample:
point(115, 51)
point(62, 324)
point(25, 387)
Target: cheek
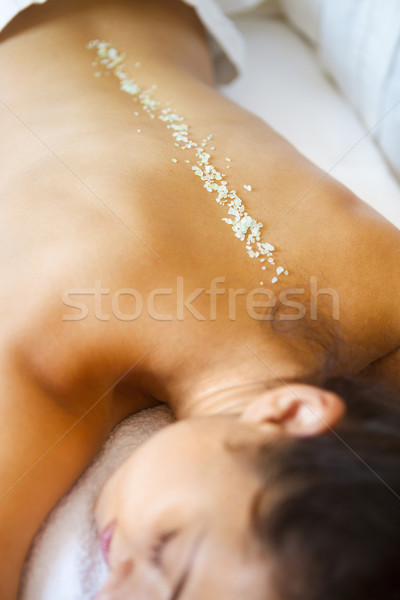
point(105, 507)
point(218, 574)
point(159, 472)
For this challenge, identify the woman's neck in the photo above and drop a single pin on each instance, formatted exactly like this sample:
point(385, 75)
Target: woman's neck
point(224, 382)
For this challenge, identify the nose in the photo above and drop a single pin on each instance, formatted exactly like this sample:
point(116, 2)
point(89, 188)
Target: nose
point(128, 583)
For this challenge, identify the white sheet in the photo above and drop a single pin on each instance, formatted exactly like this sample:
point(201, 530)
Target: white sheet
point(285, 85)
point(359, 45)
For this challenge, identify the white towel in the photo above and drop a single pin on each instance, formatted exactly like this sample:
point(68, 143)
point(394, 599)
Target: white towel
point(65, 562)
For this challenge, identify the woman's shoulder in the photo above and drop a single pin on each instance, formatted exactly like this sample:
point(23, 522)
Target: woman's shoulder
point(364, 267)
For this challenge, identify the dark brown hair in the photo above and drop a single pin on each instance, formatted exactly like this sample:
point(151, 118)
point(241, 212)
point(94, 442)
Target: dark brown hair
point(329, 510)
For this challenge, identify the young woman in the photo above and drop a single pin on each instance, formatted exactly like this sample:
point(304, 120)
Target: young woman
point(123, 287)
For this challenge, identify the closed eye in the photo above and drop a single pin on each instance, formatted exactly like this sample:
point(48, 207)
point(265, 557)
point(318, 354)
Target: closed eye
point(181, 585)
point(157, 549)
point(156, 559)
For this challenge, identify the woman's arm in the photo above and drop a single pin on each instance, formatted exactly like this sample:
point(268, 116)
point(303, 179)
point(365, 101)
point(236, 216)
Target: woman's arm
point(44, 449)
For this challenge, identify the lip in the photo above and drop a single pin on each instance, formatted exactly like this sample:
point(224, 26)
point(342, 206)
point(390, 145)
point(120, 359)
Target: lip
point(105, 539)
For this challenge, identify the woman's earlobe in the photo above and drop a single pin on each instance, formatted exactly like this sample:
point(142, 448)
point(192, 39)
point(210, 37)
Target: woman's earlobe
point(318, 411)
point(296, 409)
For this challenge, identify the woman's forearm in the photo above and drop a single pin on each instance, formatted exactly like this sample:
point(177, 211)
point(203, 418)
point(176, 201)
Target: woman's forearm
point(44, 448)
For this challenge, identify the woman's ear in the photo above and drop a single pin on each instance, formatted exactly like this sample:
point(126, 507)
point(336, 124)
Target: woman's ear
point(296, 409)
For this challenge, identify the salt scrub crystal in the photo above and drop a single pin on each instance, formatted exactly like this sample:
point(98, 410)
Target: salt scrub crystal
point(267, 247)
point(130, 87)
point(244, 226)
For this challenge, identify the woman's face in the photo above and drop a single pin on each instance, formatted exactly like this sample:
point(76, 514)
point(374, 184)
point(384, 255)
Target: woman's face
point(179, 511)
point(180, 508)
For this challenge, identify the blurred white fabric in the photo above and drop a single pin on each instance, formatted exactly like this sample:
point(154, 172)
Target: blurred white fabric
point(285, 84)
point(359, 45)
point(304, 15)
point(10, 8)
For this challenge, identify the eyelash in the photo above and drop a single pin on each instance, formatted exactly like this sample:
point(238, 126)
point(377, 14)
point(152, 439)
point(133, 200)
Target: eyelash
point(158, 547)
